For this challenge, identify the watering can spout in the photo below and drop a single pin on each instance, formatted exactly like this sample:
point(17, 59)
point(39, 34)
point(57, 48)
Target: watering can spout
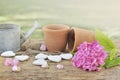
point(27, 34)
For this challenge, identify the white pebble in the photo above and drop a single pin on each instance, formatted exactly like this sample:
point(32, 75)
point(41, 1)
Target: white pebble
point(41, 56)
point(66, 56)
point(22, 57)
point(8, 54)
point(54, 58)
point(40, 62)
point(44, 66)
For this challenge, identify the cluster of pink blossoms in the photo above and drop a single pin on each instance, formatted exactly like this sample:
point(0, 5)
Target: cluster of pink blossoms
point(89, 56)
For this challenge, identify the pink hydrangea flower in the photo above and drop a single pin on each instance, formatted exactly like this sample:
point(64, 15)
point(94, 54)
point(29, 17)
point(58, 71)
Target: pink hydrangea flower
point(89, 56)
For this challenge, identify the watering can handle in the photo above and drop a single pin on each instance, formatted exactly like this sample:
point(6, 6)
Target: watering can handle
point(27, 34)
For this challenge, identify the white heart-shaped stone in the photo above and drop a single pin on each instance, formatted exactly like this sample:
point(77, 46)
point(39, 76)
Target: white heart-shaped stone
point(40, 62)
point(8, 54)
point(54, 58)
point(41, 56)
point(66, 56)
point(22, 57)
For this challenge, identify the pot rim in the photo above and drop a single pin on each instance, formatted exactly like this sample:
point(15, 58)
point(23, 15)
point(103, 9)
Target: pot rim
point(55, 27)
point(74, 42)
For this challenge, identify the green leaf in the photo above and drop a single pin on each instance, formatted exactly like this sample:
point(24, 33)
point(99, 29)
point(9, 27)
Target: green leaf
point(112, 53)
point(104, 40)
point(73, 53)
point(111, 63)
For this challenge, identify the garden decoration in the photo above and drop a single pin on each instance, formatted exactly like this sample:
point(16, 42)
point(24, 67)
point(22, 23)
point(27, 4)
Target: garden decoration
point(22, 57)
point(93, 56)
point(77, 36)
point(40, 62)
point(56, 37)
point(66, 56)
point(91, 51)
point(41, 56)
point(55, 58)
point(40, 59)
point(10, 36)
point(8, 54)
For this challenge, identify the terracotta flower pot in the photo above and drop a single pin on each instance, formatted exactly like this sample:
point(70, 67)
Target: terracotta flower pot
point(76, 36)
point(55, 36)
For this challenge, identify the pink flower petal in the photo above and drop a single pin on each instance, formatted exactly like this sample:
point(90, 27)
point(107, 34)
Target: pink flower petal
point(16, 68)
point(15, 61)
point(60, 66)
point(8, 62)
point(43, 47)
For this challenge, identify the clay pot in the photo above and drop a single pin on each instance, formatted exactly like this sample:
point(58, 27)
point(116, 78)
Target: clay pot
point(76, 36)
point(55, 36)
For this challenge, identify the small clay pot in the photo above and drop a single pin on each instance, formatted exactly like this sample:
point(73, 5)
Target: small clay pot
point(55, 36)
point(76, 36)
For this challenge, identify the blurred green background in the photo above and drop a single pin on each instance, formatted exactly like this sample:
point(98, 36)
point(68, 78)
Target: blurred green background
point(91, 14)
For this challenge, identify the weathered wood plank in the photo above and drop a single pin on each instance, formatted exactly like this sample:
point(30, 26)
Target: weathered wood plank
point(31, 72)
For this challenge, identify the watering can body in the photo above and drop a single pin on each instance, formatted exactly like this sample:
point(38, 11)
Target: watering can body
point(10, 37)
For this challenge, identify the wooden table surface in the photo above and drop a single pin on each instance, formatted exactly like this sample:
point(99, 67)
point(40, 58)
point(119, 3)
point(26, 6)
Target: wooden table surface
point(32, 72)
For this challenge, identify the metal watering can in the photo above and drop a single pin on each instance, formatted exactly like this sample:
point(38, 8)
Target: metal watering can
point(10, 36)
